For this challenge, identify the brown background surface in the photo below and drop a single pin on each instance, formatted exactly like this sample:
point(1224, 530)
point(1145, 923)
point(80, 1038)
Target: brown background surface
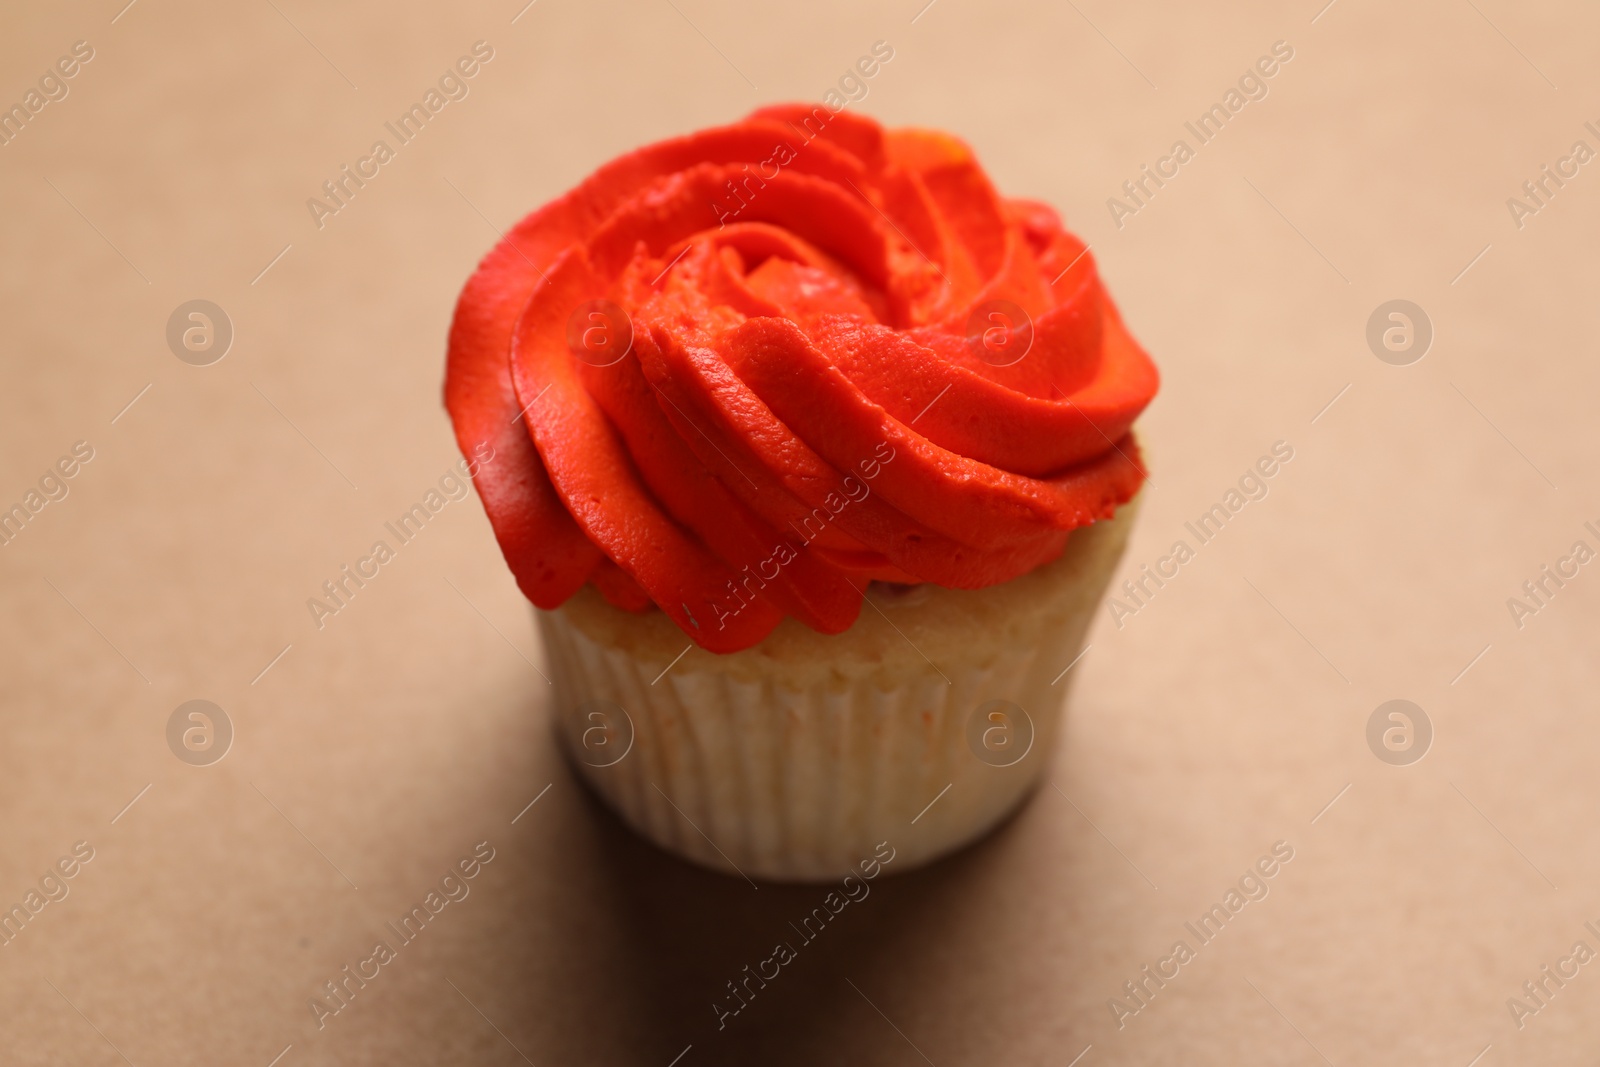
point(1223, 717)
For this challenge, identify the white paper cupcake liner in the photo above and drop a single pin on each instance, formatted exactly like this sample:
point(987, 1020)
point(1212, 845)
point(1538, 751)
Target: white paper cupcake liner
point(796, 775)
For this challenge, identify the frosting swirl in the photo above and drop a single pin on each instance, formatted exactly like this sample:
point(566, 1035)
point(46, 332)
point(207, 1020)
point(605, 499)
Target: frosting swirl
point(740, 374)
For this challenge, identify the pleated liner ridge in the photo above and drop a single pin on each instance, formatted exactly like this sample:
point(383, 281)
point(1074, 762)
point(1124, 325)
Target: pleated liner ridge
point(795, 771)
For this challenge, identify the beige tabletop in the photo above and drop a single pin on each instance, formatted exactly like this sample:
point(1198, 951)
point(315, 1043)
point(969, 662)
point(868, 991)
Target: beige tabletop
point(1438, 862)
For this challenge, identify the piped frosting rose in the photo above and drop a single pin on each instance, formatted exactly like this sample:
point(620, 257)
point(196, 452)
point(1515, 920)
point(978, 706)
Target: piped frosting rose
point(739, 375)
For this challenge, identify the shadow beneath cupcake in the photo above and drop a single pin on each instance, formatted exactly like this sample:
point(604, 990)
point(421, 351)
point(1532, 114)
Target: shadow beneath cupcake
point(778, 974)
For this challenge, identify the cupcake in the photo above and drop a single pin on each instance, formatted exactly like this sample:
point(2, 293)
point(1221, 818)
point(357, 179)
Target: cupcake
point(814, 455)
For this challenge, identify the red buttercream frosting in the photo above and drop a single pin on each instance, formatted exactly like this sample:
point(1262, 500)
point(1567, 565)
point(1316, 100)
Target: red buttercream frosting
point(740, 374)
